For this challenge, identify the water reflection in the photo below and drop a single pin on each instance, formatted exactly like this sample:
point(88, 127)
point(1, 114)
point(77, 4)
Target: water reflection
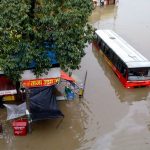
point(124, 95)
point(129, 129)
point(108, 13)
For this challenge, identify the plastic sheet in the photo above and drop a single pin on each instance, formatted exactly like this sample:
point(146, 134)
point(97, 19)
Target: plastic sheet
point(15, 111)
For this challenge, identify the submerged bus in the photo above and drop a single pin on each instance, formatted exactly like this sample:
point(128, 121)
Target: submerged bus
point(132, 68)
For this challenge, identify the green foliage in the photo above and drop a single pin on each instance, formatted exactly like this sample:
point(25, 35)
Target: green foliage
point(26, 24)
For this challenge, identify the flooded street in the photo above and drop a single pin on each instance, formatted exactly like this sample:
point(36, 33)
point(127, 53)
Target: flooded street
point(109, 117)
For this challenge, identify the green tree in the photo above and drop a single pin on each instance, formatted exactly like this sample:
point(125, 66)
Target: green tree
point(26, 24)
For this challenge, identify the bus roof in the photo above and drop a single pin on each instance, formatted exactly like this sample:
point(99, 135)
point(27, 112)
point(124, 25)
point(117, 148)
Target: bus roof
point(126, 52)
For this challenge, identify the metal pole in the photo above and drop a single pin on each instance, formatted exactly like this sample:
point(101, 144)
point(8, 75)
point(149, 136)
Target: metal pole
point(28, 109)
point(84, 82)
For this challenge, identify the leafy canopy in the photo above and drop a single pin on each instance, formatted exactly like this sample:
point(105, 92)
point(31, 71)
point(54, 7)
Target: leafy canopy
point(26, 24)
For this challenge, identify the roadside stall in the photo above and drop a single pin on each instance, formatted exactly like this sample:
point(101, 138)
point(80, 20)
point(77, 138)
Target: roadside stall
point(39, 98)
point(41, 101)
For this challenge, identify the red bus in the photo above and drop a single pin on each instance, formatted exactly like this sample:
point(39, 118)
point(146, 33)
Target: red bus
point(132, 68)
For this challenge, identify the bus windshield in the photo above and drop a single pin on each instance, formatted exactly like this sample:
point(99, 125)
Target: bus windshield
point(138, 74)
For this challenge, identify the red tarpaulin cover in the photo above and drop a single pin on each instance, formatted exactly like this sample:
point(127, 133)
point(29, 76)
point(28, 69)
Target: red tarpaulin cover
point(66, 76)
point(6, 86)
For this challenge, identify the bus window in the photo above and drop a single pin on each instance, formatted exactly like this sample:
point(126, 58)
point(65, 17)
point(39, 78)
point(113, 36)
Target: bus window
point(149, 72)
point(113, 58)
point(99, 41)
point(139, 74)
point(107, 51)
point(103, 45)
point(116, 61)
point(123, 70)
point(124, 73)
point(110, 54)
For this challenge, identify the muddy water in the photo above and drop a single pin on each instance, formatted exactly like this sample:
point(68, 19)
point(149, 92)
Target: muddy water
point(109, 117)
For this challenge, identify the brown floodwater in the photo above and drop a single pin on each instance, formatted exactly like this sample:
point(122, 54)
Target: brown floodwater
point(109, 117)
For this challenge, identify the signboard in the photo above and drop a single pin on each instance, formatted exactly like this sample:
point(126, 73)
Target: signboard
point(6, 86)
point(40, 82)
point(8, 92)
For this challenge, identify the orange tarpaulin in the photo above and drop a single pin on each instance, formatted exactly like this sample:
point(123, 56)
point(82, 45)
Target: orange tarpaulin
point(66, 76)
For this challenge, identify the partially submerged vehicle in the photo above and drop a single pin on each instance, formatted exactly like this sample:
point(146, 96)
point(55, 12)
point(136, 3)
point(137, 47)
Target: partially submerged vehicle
point(131, 67)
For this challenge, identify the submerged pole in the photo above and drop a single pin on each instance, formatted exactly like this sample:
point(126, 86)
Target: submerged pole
point(82, 89)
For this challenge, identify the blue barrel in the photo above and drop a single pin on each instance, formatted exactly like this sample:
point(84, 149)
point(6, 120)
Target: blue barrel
point(70, 96)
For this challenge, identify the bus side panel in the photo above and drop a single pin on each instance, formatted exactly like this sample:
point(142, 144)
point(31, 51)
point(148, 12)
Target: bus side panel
point(119, 75)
